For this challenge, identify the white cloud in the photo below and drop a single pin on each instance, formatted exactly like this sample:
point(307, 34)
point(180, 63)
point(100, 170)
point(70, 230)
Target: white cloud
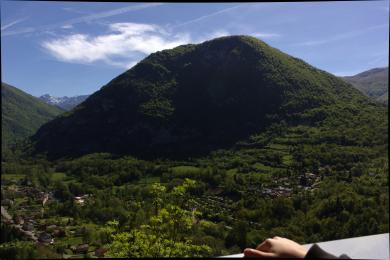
point(123, 41)
point(67, 26)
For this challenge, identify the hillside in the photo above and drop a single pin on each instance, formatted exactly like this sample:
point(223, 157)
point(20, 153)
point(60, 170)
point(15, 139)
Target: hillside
point(194, 99)
point(373, 83)
point(22, 114)
point(66, 103)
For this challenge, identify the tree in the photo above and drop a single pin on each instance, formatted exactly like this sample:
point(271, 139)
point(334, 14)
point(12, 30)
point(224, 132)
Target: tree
point(18, 250)
point(61, 191)
point(157, 190)
point(238, 235)
point(166, 233)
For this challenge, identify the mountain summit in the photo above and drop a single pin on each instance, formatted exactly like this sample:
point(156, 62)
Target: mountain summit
point(196, 98)
point(373, 83)
point(66, 103)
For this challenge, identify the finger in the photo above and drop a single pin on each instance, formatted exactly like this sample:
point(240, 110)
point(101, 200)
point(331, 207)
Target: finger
point(249, 252)
point(265, 246)
point(276, 237)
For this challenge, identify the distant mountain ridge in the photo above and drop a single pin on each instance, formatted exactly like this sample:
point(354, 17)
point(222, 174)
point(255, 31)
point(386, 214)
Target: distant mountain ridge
point(22, 114)
point(65, 102)
point(197, 98)
point(373, 83)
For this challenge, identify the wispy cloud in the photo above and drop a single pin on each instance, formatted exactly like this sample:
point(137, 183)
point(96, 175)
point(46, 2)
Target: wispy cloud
point(342, 36)
point(204, 17)
point(89, 18)
point(378, 60)
point(67, 26)
point(72, 10)
point(124, 42)
point(4, 27)
point(83, 19)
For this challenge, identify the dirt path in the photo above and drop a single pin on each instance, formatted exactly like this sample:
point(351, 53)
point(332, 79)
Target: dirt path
point(5, 214)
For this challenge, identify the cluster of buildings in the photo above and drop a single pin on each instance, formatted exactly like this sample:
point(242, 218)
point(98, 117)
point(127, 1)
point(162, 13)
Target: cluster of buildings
point(25, 220)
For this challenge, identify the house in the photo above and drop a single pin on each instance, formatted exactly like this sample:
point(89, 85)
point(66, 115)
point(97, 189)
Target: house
point(45, 238)
point(79, 200)
point(59, 232)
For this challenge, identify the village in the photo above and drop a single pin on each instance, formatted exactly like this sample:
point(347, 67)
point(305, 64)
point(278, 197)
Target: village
point(22, 209)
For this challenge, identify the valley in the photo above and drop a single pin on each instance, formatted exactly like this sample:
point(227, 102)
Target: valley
point(240, 195)
point(200, 150)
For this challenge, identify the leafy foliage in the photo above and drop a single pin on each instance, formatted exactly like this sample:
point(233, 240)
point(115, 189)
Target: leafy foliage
point(163, 235)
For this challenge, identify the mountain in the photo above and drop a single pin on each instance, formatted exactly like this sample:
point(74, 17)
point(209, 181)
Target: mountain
point(373, 83)
point(66, 103)
point(22, 114)
point(197, 98)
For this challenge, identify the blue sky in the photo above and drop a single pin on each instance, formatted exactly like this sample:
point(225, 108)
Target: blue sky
point(74, 48)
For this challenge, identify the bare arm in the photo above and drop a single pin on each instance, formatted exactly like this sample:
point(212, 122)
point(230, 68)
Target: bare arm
point(277, 247)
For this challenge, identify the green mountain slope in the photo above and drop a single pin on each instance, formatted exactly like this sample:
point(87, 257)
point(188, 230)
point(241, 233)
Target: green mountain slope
point(193, 99)
point(22, 114)
point(374, 83)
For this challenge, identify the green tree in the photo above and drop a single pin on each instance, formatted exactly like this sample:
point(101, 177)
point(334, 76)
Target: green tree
point(166, 234)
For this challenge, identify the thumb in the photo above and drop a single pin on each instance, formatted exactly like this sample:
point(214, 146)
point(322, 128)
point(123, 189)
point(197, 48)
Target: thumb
point(249, 252)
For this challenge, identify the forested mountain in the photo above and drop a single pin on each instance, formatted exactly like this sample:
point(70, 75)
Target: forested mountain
point(193, 99)
point(374, 83)
point(22, 114)
point(66, 103)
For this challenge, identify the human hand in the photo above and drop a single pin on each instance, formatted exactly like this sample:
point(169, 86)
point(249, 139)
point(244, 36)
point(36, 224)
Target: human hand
point(277, 247)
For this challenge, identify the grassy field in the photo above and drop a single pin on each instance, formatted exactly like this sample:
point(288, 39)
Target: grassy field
point(12, 177)
point(261, 167)
point(184, 169)
point(58, 176)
